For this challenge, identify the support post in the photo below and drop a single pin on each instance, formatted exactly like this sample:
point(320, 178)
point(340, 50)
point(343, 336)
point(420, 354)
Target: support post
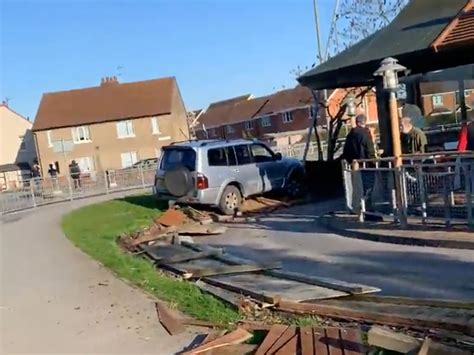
point(142, 175)
point(462, 100)
point(468, 181)
point(397, 156)
point(32, 191)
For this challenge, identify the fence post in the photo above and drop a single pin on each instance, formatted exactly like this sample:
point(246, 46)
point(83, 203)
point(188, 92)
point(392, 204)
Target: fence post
point(32, 191)
point(106, 181)
point(447, 201)
point(421, 184)
point(71, 197)
point(142, 175)
point(468, 181)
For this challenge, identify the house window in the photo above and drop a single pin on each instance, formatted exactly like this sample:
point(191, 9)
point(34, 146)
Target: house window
point(437, 100)
point(50, 138)
point(81, 134)
point(125, 129)
point(313, 111)
point(249, 125)
point(128, 159)
point(155, 128)
point(287, 117)
point(86, 164)
point(229, 129)
point(266, 121)
point(22, 143)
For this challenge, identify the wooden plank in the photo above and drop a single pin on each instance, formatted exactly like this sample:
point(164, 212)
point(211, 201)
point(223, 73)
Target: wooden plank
point(199, 229)
point(352, 341)
point(235, 337)
point(307, 341)
point(289, 333)
point(210, 337)
point(320, 344)
point(412, 301)
point(290, 348)
point(273, 335)
point(390, 340)
point(234, 349)
point(430, 347)
point(324, 282)
point(333, 340)
point(198, 323)
point(169, 320)
point(230, 269)
point(230, 297)
point(273, 286)
point(367, 316)
point(186, 257)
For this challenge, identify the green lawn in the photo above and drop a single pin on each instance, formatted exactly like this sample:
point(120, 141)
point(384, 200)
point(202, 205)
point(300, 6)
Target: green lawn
point(94, 230)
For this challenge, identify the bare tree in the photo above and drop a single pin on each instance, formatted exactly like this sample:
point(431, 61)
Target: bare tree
point(352, 21)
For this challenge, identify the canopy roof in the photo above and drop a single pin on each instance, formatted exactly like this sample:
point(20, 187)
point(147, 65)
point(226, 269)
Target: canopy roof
point(410, 38)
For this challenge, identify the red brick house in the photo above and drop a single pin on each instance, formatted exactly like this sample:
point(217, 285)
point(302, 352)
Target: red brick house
point(283, 117)
point(441, 98)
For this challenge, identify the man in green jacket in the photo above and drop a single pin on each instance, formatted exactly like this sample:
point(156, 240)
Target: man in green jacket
point(412, 138)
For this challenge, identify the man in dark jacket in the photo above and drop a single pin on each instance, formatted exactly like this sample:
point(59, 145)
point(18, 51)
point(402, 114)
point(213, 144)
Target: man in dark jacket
point(359, 144)
point(412, 138)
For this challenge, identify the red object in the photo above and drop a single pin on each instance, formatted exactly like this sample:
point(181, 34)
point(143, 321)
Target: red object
point(202, 182)
point(462, 141)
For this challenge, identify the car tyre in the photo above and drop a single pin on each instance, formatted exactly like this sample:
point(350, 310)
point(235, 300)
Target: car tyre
point(295, 186)
point(231, 200)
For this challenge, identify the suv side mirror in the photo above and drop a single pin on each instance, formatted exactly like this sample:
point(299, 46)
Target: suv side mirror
point(278, 156)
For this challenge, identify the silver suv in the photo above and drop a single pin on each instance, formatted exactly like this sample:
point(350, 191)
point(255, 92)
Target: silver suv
point(221, 173)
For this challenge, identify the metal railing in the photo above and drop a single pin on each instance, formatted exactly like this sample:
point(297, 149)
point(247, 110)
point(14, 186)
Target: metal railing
point(434, 187)
point(42, 191)
point(297, 150)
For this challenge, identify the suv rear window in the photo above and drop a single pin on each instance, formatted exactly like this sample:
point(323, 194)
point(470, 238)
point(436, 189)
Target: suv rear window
point(176, 157)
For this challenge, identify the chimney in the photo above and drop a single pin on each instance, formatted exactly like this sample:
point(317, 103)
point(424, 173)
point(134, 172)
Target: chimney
point(108, 80)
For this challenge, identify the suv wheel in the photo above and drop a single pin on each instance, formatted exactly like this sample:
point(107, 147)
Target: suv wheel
point(295, 186)
point(231, 200)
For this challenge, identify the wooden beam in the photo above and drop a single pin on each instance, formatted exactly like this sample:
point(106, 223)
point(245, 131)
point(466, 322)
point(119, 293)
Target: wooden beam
point(307, 341)
point(273, 335)
point(231, 269)
point(231, 298)
point(235, 337)
point(381, 318)
point(411, 301)
point(169, 320)
point(352, 341)
point(390, 340)
point(187, 257)
point(287, 335)
point(323, 281)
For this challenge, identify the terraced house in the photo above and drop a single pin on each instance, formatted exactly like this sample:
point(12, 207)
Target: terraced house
point(281, 118)
point(110, 126)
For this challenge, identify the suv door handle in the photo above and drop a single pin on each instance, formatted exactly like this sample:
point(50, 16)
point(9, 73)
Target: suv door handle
point(235, 170)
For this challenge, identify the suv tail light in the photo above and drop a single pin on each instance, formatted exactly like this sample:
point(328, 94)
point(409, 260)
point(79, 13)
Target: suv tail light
point(201, 181)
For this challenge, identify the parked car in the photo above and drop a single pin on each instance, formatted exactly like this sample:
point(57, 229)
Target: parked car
point(221, 173)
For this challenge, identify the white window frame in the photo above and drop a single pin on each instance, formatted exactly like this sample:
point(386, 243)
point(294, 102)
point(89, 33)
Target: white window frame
point(50, 138)
point(266, 121)
point(86, 164)
point(249, 125)
point(155, 126)
point(79, 132)
point(229, 129)
point(127, 129)
point(437, 103)
point(133, 158)
point(287, 117)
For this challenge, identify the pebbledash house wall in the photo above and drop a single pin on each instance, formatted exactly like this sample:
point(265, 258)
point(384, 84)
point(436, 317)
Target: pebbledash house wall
point(105, 148)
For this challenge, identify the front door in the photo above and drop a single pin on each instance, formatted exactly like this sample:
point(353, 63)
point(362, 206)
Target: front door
point(246, 171)
point(268, 167)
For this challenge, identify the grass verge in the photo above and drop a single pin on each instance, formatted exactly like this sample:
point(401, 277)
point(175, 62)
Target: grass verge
point(94, 230)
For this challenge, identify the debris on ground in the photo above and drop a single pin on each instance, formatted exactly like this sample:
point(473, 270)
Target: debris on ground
point(171, 217)
point(168, 319)
point(237, 336)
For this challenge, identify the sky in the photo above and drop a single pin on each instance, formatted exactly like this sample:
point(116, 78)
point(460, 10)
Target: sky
point(217, 49)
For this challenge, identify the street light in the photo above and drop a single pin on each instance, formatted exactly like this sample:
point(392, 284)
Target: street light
point(351, 108)
point(389, 69)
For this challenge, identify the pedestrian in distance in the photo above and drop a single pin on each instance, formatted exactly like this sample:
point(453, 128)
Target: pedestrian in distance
point(413, 139)
point(75, 172)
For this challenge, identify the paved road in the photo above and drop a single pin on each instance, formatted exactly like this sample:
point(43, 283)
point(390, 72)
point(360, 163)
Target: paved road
point(51, 300)
point(294, 238)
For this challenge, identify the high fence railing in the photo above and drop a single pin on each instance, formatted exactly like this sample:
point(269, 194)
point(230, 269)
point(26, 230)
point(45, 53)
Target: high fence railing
point(433, 187)
point(42, 191)
point(297, 150)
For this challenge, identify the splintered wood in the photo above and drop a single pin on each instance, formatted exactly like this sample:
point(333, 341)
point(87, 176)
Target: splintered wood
point(288, 340)
point(235, 337)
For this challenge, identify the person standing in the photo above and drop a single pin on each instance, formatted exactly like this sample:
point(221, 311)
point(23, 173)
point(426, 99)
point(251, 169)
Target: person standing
point(412, 138)
point(75, 171)
point(359, 143)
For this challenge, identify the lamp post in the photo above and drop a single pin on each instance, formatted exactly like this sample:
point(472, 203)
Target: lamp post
point(389, 69)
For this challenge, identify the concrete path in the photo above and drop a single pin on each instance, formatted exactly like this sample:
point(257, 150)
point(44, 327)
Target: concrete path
point(294, 237)
point(55, 299)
